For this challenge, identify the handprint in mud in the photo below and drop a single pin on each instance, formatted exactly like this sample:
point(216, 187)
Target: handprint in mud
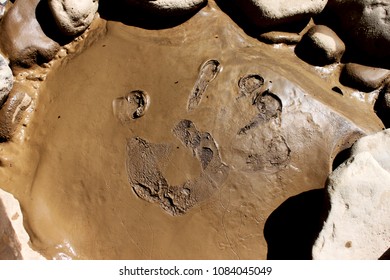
point(149, 183)
point(144, 159)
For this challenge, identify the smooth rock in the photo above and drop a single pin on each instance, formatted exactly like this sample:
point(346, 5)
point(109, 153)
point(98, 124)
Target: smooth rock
point(169, 7)
point(321, 46)
point(270, 13)
point(364, 25)
point(378, 145)
point(14, 239)
point(24, 41)
point(280, 37)
point(358, 225)
point(362, 77)
point(72, 16)
point(6, 80)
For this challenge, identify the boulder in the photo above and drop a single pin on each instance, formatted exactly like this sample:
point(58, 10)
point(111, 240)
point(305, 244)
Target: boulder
point(378, 145)
point(73, 17)
point(364, 78)
point(6, 80)
point(358, 225)
point(24, 41)
point(364, 25)
point(168, 7)
point(13, 236)
point(271, 13)
point(321, 46)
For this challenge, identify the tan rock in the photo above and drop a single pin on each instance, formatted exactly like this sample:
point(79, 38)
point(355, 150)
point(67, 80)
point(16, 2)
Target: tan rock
point(378, 145)
point(73, 16)
point(14, 240)
point(267, 13)
point(169, 7)
point(6, 80)
point(358, 225)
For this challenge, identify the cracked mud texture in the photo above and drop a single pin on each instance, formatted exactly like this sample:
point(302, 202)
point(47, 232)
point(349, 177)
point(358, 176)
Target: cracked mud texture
point(70, 169)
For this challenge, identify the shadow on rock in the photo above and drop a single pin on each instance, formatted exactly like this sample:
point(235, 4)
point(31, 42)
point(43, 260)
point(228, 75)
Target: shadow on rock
point(238, 17)
point(291, 230)
point(355, 51)
point(386, 255)
point(382, 108)
point(141, 17)
point(49, 27)
point(241, 19)
point(341, 157)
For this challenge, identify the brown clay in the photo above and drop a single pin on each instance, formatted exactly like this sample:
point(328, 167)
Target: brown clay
point(175, 183)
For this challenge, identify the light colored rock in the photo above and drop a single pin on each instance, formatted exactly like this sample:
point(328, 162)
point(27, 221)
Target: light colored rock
point(73, 16)
point(13, 231)
point(6, 80)
point(3, 3)
point(169, 7)
point(268, 13)
point(378, 145)
point(358, 225)
point(321, 46)
point(365, 25)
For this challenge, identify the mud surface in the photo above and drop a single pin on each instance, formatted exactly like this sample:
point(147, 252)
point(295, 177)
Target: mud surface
point(176, 143)
point(208, 71)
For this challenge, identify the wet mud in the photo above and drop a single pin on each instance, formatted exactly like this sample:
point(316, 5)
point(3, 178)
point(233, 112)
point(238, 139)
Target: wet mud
point(208, 72)
point(127, 158)
point(149, 183)
point(131, 106)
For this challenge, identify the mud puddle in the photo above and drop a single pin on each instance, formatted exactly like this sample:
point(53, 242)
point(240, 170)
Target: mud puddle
point(175, 144)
